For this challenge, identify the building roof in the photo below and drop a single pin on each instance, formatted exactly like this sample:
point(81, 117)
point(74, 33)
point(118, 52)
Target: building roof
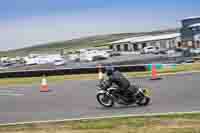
point(194, 25)
point(191, 17)
point(147, 38)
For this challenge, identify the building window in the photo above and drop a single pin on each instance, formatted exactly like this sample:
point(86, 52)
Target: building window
point(144, 45)
point(153, 43)
point(179, 44)
point(162, 44)
point(198, 44)
point(118, 48)
point(135, 47)
point(173, 42)
point(194, 29)
point(158, 44)
point(125, 47)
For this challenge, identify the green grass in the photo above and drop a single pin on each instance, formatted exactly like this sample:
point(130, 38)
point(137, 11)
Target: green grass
point(173, 123)
point(60, 79)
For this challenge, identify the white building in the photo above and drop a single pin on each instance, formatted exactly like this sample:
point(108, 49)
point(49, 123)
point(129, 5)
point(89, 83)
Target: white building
point(168, 40)
point(190, 32)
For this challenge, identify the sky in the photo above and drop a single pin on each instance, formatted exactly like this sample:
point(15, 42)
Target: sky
point(31, 22)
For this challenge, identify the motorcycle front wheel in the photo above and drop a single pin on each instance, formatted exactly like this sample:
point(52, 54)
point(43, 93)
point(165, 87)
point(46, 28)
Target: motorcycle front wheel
point(145, 101)
point(105, 100)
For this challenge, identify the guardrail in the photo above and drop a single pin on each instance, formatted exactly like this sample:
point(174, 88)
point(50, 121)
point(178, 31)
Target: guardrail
point(69, 71)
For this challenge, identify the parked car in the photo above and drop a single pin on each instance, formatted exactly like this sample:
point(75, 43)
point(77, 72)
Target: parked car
point(156, 52)
point(170, 52)
point(150, 49)
point(162, 51)
point(185, 51)
point(93, 55)
point(189, 61)
point(174, 53)
point(195, 51)
point(74, 57)
point(114, 53)
point(59, 62)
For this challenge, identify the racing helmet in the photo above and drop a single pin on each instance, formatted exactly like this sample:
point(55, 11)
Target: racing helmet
point(109, 70)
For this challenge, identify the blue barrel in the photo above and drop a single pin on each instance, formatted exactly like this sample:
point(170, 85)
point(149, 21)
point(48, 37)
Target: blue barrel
point(158, 66)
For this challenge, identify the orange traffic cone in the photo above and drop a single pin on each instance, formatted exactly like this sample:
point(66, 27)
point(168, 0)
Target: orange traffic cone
point(154, 75)
point(100, 73)
point(44, 86)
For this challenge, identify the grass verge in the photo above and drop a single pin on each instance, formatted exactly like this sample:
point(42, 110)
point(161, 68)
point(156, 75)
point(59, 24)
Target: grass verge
point(60, 79)
point(173, 123)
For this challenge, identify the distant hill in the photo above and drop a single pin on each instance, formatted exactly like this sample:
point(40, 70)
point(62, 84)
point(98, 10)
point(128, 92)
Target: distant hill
point(93, 41)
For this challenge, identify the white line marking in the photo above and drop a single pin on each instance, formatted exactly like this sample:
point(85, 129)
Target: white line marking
point(10, 94)
point(6, 91)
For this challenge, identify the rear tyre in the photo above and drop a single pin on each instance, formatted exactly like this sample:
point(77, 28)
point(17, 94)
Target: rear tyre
point(105, 100)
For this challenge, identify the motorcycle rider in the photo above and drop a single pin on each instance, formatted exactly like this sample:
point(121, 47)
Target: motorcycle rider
point(121, 81)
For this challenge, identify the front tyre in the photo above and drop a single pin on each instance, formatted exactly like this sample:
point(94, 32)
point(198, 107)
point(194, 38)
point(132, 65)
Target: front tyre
point(144, 101)
point(105, 100)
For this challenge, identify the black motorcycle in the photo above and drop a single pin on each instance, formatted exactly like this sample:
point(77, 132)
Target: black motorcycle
point(107, 96)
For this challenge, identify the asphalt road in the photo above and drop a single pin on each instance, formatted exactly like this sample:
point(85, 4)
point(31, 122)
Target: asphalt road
point(76, 99)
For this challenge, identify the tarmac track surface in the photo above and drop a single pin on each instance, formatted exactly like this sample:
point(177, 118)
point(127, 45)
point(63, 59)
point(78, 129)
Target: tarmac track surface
point(77, 99)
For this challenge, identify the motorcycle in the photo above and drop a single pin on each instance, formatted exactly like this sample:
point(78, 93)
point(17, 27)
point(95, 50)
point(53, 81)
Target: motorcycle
point(108, 96)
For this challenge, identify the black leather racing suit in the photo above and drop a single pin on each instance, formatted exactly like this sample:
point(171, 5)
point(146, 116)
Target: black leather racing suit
point(121, 81)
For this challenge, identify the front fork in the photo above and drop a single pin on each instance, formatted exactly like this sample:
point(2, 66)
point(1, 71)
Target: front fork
point(139, 95)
